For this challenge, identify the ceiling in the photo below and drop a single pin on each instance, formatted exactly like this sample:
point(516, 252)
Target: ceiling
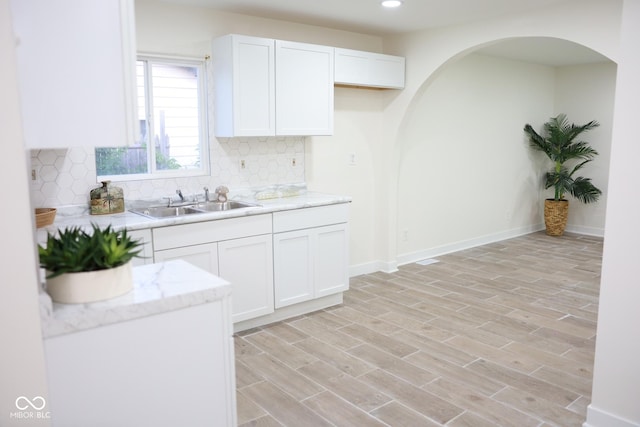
point(369, 17)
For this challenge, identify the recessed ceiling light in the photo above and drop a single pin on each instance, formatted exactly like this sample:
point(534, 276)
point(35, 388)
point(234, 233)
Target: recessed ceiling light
point(391, 3)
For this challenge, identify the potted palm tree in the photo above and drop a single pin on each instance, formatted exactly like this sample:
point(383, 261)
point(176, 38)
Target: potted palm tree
point(84, 267)
point(560, 144)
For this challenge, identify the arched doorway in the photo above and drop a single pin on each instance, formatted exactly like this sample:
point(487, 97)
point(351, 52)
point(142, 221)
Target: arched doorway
point(465, 173)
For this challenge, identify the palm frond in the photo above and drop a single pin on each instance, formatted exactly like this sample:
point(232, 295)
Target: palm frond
point(583, 190)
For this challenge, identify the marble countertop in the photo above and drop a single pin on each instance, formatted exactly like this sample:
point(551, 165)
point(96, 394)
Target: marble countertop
point(158, 288)
point(79, 216)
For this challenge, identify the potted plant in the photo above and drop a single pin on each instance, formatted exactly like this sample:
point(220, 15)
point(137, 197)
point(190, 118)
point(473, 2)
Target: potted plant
point(561, 145)
point(88, 266)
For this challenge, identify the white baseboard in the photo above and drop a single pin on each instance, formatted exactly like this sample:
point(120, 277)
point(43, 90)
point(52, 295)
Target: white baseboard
point(372, 267)
point(589, 231)
point(392, 266)
point(467, 244)
point(598, 418)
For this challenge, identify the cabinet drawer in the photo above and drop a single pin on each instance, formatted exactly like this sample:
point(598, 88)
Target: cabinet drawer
point(310, 217)
point(210, 231)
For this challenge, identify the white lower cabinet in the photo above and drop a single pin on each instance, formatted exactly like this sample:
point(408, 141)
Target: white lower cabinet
point(293, 267)
point(312, 261)
point(169, 369)
point(272, 261)
point(146, 251)
point(204, 256)
point(239, 250)
point(331, 260)
point(247, 264)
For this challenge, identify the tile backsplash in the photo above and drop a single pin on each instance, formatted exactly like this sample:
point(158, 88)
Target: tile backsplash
point(65, 177)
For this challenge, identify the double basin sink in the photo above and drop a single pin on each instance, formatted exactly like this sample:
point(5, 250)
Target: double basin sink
point(191, 209)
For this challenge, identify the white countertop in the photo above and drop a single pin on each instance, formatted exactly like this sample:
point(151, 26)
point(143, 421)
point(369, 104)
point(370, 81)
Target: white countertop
point(132, 221)
point(158, 288)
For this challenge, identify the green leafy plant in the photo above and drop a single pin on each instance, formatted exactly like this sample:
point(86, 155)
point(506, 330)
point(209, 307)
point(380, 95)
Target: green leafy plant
point(560, 144)
point(74, 250)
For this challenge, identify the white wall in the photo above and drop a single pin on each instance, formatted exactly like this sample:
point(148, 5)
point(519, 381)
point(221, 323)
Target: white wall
point(358, 126)
point(188, 30)
point(430, 53)
point(616, 379)
point(585, 93)
point(466, 173)
point(22, 370)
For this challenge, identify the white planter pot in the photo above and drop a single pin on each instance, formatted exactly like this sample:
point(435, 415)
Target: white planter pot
point(91, 286)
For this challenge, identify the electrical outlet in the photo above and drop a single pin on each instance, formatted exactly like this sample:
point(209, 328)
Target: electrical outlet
point(405, 235)
point(33, 175)
point(242, 164)
point(352, 159)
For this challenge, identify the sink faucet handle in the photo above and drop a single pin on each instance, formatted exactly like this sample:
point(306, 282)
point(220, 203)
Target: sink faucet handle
point(169, 201)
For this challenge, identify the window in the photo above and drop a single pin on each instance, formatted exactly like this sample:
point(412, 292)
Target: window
point(172, 135)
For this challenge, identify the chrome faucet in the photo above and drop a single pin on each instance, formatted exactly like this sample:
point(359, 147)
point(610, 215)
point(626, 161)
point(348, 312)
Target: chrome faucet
point(179, 193)
point(206, 194)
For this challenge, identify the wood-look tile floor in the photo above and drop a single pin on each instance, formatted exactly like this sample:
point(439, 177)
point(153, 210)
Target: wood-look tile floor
point(498, 335)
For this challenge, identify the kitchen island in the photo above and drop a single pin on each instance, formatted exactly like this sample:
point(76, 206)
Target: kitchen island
point(159, 355)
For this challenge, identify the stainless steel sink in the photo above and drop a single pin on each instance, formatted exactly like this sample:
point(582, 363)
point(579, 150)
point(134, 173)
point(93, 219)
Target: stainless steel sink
point(166, 211)
point(200, 208)
point(222, 206)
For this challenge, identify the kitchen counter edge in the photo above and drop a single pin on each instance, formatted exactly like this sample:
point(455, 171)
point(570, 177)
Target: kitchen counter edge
point(157, 288)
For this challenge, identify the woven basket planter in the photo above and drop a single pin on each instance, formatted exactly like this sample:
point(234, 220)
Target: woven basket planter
point(555, 216)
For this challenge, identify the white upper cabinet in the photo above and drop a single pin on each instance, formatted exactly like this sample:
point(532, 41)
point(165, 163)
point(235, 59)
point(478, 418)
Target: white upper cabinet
point(266, 87)
point(244, 93)
point(358, 68)
point(304, 89)
point(76, 64)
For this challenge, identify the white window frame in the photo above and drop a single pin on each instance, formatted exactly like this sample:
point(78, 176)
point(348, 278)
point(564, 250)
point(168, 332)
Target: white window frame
point(204, 169)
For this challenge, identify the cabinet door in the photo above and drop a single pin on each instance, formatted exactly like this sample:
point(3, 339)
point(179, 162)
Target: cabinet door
point(146, 253)
point(76, 64)
point(351, 67)
point(304, 89)
point(243, 72)
point(247, 264)
point(293, 267)
point(332, 260)
point(359, 68)
point(204, 256)
point(387, 71)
